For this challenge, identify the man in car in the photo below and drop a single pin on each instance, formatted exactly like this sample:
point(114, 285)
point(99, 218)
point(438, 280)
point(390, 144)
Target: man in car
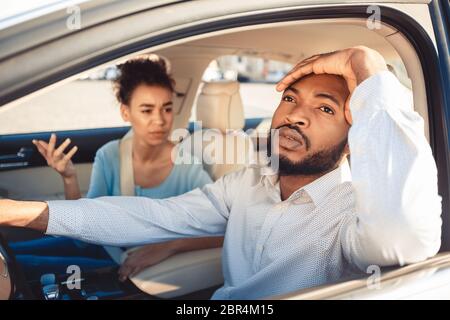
point(313, 220)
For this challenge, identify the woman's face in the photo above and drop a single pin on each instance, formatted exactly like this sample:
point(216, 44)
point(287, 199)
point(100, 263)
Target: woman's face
point(150, 113)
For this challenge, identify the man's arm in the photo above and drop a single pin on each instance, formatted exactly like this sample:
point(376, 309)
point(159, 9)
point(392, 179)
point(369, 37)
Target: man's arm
point(394, 175)
point(28, 214)
point(394, 178)
point(128, 221)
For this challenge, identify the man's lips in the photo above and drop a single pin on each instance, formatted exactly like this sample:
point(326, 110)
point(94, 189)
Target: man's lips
point(291, 135)
point(290, 139)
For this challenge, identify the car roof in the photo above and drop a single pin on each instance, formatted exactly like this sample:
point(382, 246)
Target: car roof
point(16, 12)
point(48, 21)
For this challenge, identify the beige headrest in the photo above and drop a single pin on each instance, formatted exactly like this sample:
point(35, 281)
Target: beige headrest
point(219, 106)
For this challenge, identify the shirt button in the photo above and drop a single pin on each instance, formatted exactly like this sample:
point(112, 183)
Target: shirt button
point(301, 200)
point(281, 206)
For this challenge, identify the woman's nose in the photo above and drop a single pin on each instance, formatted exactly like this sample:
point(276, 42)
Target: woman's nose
point(157, 118)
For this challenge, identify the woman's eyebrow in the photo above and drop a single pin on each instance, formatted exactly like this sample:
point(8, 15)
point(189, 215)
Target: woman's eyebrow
point(150, 105)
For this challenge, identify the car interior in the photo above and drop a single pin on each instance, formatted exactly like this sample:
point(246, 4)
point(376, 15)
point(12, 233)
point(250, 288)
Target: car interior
point(218, 105)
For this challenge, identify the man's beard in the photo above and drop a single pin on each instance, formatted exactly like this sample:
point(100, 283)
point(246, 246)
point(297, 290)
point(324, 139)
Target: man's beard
point(317, 163)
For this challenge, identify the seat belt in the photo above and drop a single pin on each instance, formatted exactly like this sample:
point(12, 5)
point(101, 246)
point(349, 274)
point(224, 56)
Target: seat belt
point(126, 165)
point(127, 186)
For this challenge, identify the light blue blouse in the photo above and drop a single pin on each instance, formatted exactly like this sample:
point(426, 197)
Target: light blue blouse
point(105, 177)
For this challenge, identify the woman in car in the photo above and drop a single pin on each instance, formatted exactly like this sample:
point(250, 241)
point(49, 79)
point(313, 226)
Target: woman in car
point(144, 90)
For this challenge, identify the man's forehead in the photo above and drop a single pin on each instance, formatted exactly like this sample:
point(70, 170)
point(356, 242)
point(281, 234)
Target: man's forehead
point(323, 82)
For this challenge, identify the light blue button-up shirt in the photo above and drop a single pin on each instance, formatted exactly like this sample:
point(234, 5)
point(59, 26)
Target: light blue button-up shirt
point(105, 177)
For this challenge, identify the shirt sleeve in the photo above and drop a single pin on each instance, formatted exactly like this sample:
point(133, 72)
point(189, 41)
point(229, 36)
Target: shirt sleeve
point(397, 206)
point(98, 186)
point(127, 221)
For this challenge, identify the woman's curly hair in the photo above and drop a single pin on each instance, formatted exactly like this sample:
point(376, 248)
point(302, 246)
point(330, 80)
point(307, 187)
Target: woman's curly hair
point(149, 70)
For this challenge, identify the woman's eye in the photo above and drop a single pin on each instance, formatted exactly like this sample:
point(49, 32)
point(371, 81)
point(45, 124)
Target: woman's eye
point(288, 99)
point(327, 109)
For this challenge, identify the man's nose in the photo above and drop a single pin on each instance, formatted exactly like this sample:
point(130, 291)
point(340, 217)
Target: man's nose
point(298, 117)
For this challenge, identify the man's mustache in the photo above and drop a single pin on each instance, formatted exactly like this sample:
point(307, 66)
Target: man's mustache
point(299, 131)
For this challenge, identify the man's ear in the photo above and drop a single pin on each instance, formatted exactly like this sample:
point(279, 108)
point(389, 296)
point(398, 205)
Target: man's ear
point(125, 112)
point(347, 150)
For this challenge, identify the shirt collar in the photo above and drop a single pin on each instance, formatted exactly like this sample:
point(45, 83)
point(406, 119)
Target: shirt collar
point(319, 188)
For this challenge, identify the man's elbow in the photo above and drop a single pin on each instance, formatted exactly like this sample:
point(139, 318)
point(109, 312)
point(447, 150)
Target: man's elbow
point(421, 246)
point(398, 245)
point(412, 244)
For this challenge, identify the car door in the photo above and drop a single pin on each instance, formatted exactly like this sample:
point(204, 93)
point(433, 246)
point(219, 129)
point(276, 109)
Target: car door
point(47, 64)
point(429, 279)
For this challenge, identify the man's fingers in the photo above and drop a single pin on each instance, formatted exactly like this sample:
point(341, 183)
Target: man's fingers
point(59, 151)
point(296, 74)
point(330, 62)
point(347, 112)
point(307, 60)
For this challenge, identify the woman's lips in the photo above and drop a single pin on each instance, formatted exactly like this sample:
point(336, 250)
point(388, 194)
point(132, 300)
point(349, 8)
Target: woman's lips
point(157, 134)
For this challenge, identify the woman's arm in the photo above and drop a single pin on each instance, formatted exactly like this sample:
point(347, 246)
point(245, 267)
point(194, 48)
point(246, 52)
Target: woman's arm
point(152, 254)
point(183, 245)
point(72, 188)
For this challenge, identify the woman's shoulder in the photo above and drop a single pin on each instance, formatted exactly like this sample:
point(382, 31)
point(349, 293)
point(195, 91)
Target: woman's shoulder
point(186, 161)
point(191, 168)
point(109, 151)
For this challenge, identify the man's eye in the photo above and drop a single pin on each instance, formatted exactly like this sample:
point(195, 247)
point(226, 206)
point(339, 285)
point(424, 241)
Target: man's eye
point(146, 111)
point(327, 109)
point(168, 110)
point(288, 99)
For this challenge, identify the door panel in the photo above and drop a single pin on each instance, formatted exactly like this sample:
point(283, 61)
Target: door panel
point(29, 177)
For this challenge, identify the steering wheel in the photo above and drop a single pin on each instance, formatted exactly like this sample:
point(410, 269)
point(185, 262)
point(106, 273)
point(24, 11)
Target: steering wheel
point(12, 280)
point(6, 284)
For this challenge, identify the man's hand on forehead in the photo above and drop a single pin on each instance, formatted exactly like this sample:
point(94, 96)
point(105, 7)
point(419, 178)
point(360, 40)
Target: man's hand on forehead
point(354, 64)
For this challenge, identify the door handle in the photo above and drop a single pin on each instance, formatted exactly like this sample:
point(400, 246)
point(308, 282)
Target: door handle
point(18, 160)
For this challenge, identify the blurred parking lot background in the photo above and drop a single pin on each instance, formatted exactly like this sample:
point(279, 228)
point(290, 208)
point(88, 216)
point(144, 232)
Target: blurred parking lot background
point(89, 102)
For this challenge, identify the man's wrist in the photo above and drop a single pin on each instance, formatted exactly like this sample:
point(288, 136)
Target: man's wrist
point(367, 63)
point(365, 74)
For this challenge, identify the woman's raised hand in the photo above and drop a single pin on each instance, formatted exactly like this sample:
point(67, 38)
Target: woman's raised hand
point(56, 158)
